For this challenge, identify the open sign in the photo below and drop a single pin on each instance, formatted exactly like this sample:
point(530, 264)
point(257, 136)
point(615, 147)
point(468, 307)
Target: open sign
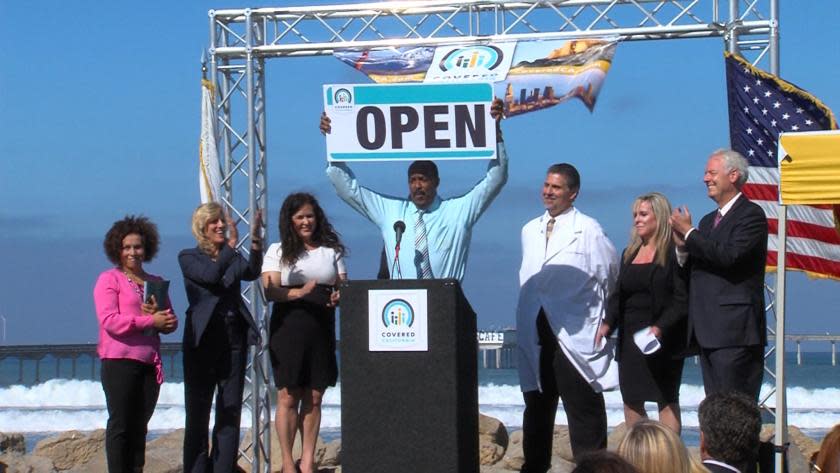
point(378, 122)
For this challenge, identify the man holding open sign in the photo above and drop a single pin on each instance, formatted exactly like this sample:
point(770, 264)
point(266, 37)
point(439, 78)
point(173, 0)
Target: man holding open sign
point(436, 232)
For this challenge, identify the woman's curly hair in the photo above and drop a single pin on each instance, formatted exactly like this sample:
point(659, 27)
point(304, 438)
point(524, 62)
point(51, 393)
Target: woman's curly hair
point(131, 224)
point(323, 235)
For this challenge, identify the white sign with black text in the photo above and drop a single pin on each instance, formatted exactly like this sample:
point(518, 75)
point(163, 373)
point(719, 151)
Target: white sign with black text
point(406, 122)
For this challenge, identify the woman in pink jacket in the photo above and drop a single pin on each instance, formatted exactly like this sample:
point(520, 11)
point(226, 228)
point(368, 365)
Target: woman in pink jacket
point(129, 341)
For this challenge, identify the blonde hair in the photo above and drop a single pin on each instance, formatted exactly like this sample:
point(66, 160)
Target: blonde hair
point(204, 214)
point(653, 448)
point(661, 209)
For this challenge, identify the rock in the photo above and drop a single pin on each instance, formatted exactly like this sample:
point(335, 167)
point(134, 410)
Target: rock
point(16, 463)
point(71, 449)
point(616, 436)
point(497, 468)
point(332, 454)
point(12, 443)
point(801, 446)
point(514, 458)
point(561, 446)
point(492, 430)
point(165, 454)
point(492, 440)
point(561, 465)
point(276, 462)
point(489, 453)
point(806, 444)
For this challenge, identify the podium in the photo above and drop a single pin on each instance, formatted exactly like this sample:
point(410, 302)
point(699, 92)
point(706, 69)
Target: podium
point(408, 411)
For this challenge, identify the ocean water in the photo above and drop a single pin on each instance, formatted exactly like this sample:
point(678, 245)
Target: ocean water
point(64, 403)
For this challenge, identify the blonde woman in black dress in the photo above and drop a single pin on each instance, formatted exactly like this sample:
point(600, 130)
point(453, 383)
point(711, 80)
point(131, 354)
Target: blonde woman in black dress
point(651, 296)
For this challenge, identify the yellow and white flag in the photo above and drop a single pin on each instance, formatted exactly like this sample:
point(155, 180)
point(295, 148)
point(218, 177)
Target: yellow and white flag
point(209, 169)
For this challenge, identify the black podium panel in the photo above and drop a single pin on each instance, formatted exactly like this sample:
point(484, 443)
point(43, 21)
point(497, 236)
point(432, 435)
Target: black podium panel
point(410, 411)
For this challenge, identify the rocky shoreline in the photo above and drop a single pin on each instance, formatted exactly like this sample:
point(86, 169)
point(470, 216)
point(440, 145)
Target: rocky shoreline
point(499, 451)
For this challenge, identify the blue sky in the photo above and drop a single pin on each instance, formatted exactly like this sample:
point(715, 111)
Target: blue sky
point(99, 117)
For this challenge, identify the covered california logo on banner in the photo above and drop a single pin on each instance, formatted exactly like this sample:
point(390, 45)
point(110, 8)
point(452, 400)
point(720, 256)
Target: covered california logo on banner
point(527, 75)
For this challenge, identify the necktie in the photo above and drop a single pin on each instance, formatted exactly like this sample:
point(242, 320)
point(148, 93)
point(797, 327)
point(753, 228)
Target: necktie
point(548, 229)
point(421, 248)
point(718, 217)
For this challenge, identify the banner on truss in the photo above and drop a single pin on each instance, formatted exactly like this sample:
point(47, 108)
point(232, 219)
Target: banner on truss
point(527, 75)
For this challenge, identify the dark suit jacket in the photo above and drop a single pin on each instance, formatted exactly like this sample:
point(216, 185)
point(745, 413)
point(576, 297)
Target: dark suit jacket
point(669, 302)
point(209, 282)
point(726, 295)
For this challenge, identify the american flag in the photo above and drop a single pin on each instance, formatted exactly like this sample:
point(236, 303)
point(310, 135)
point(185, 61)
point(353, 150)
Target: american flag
point(761, 106)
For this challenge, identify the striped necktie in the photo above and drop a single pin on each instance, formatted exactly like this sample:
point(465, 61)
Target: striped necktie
point(718, 218)
point(549, 228)
point(421, 248)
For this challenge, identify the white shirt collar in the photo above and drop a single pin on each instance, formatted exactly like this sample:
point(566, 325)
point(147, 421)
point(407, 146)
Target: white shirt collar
point(565, 215)
point(729, 205)
point(722, 464)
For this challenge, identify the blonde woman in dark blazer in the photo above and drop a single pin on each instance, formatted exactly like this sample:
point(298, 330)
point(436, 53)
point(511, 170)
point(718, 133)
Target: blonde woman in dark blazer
point(216, 337)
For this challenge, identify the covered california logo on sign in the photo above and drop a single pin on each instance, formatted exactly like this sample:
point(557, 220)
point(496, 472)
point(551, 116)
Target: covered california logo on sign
point(378, 122)
point(397, 320)
point(489, 63)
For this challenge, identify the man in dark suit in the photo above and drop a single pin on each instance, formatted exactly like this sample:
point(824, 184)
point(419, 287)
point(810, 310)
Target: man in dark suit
point(730, 425)
point(726, 255)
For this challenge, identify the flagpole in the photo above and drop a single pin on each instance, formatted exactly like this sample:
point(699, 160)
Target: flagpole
point(781, 434)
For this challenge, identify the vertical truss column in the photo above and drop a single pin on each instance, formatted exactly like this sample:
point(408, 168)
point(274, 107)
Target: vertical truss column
point(240, 116)
point(763, 52)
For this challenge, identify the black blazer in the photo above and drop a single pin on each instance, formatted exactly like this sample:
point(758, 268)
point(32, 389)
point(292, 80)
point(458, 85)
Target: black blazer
point(209, 282)
point(669, 302)
point(726, 296)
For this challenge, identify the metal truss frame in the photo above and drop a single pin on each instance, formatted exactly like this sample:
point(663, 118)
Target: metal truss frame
point(241, 40)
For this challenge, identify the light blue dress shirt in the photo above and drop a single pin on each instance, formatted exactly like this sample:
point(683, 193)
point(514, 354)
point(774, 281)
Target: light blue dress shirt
point(448, 222)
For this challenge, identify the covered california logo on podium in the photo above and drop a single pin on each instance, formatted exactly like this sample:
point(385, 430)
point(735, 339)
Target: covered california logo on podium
point(397, 320)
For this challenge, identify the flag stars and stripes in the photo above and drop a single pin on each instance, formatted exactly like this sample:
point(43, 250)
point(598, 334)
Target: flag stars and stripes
point(755, 135)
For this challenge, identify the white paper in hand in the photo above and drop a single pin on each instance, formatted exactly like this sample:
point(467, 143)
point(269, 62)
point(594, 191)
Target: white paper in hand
point(646, 341)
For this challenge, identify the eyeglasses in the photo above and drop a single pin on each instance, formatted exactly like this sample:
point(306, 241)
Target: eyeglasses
point(812, 465)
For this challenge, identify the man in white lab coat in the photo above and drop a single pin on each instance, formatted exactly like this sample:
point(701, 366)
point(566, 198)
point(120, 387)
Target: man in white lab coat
point(568, 269)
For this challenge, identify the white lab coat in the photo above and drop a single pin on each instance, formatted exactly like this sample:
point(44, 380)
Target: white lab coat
point(570, 279)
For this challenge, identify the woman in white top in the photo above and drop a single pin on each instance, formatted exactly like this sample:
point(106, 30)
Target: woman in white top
point(300, 275)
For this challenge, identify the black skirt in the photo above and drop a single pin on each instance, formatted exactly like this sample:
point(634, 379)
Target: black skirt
point(655, 377)
point(302, 345)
